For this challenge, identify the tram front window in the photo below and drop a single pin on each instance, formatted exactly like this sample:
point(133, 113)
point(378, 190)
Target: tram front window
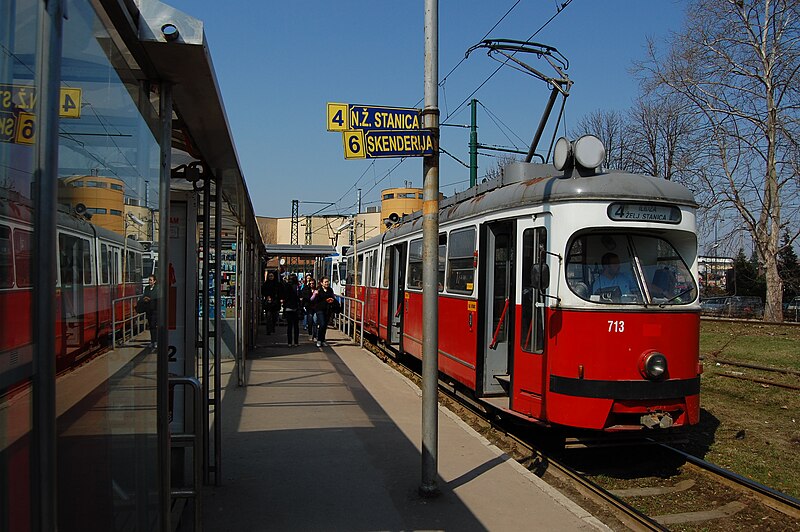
point(624, 269)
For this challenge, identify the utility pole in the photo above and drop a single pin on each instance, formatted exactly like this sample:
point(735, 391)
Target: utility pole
point(473, 144)
point(359, 202)
point(430, 259)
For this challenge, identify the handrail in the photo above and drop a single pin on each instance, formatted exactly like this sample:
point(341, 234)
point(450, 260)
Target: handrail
point(493, 345)
point(349, 318)
point(134, 318)
point(196, 440)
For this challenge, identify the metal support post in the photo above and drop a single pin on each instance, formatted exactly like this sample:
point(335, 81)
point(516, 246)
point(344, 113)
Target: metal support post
point(45, 196)
point(205, 349)
point(430, 259)
point(218, 330)
point(162, 365)
point(473, 144)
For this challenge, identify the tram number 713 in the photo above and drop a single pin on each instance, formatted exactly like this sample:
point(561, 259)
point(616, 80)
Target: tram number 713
point(616, 326)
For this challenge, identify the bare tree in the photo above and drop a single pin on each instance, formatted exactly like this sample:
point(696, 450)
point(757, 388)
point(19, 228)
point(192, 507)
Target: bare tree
point(736, 65)
point(659, 138)
point(500, 164)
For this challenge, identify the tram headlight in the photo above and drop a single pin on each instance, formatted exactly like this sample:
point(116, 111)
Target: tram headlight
point(653, 366)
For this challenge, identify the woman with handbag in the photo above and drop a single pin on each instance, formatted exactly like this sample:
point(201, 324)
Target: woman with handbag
point(325, 304)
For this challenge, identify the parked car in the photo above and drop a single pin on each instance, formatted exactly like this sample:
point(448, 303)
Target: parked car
point(713, 306)
point(792, 310)
point(744, 307)
point(734, 307)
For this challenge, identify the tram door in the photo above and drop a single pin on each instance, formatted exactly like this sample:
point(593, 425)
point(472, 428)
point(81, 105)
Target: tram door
point(498, 256)
point(75, 270)
point(397, 262)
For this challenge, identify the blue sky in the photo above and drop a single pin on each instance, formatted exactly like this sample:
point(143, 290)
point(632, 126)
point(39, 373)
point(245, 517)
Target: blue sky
point(279, 63)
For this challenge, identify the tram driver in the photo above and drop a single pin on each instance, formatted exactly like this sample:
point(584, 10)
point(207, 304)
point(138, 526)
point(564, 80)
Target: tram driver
point(612, 283)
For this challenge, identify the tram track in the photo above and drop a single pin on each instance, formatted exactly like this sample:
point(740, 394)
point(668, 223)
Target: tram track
point(690, 491)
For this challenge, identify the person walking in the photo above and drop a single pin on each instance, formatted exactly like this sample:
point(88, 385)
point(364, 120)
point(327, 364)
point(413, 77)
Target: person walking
point(291, 310)
point(325, 304)
point(270, 294)
point(150, 299)
point(310, 307)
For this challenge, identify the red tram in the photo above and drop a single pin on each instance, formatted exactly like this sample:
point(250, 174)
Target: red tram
point(95, 266)
point(567, 294)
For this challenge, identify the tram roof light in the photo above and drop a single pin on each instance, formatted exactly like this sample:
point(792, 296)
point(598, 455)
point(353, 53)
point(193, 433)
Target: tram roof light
point(589, 151)
point(562, 153)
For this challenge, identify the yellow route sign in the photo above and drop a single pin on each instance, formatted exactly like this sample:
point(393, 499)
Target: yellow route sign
point(354, 145)
point(338, 117)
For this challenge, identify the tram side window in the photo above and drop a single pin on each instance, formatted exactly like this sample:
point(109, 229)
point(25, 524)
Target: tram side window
point(23, 243)
point(75, 260)
point(415, 264)
point(373, 281)
point(461, 261)
point(442, 260)
point(534, 247)
point(6, 258)
point(386, 257)
point(359, 269)
point(350, 269)
point(104, 269)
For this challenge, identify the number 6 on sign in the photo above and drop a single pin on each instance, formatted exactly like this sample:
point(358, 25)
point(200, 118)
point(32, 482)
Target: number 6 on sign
point(354, 145)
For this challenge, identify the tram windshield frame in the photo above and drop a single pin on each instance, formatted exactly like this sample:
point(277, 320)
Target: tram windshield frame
point(615, 268)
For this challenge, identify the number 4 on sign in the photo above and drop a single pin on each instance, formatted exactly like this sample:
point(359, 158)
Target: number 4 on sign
point(338, 119)
point(354, 145)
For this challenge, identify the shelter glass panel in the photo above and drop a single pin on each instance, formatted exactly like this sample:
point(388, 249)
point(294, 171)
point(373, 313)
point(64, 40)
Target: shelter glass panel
point(19, 24)
point(108, 136)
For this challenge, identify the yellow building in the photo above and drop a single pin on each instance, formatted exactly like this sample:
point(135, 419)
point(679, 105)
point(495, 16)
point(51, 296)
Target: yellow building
point(101, 198)
point(396, 202)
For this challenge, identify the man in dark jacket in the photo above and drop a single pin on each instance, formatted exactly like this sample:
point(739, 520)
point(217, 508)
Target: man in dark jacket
point(150, 299)
point(270, 294)
point(291, 310)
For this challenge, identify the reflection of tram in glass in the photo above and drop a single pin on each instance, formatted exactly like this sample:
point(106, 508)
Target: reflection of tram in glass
point(567, 298)
point(95, 266)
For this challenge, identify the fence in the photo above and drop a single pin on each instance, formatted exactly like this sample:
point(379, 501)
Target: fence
point(132, 320)
point(347, 320)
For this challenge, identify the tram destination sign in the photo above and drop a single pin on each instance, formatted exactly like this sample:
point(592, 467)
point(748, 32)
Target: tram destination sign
point(644, 212)
point(371, 132)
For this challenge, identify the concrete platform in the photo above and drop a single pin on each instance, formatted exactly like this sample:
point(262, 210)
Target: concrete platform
point(329, 439)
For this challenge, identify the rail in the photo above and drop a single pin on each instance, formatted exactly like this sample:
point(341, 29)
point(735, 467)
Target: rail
point(133, 317)
point(195, 440)
point(346, 317)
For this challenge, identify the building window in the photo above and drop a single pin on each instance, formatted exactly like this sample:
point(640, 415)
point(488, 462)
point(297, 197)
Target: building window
point(115, 212)
point(96, 184)
point(96, 210)
point(115, 186)
point(388, 196)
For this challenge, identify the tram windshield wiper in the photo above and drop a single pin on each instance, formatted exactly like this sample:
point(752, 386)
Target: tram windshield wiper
point(670, 300)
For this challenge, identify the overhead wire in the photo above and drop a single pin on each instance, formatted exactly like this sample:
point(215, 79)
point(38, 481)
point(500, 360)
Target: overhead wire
point(559, 8)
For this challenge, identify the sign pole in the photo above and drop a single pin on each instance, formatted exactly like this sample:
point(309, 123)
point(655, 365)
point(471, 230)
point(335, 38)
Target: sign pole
point(430, 258)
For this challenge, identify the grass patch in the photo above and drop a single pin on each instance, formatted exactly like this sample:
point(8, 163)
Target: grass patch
point(750, 428)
